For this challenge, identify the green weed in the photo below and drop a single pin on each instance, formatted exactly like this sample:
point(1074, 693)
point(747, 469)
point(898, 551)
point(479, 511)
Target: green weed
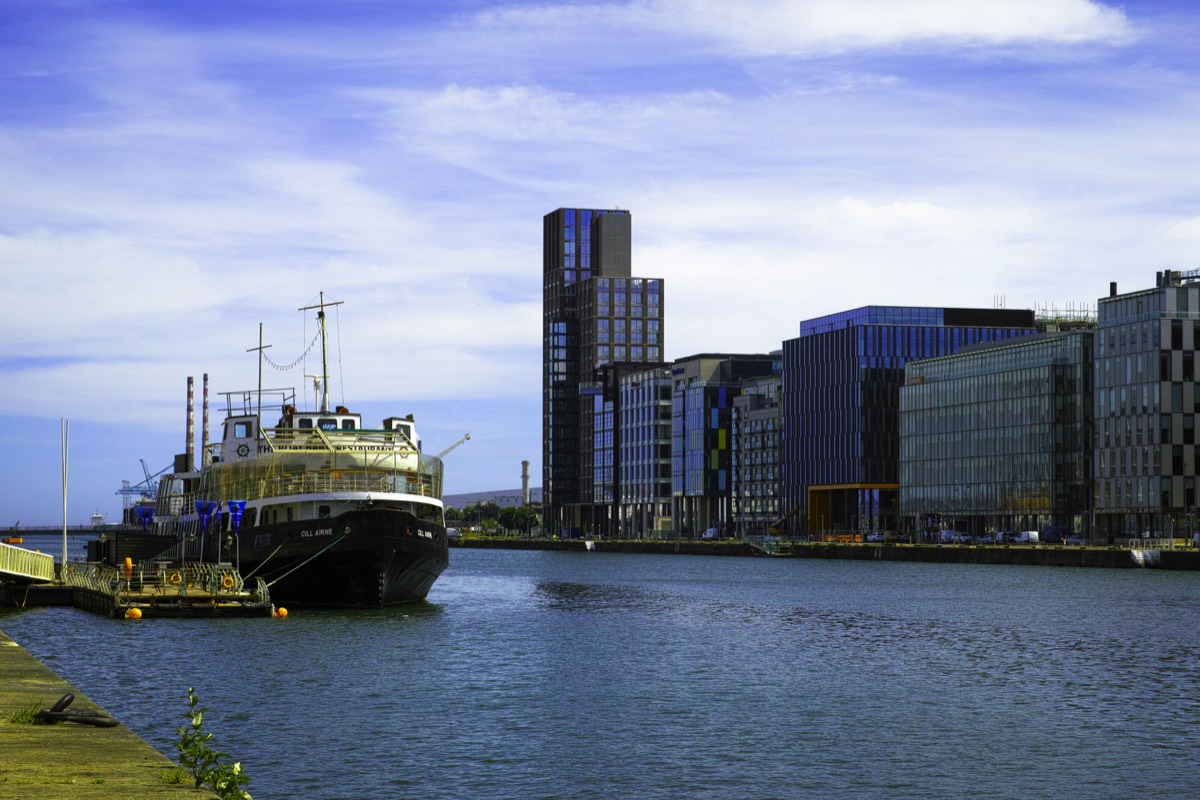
point(207, 766)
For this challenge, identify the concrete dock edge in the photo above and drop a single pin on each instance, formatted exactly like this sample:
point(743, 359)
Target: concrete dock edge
point(69, 760)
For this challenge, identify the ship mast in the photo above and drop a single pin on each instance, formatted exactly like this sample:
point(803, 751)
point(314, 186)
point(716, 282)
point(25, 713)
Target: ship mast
point(324, 350)
point(261, 347)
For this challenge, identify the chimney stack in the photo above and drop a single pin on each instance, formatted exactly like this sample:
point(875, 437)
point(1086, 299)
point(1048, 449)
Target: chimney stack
point(190, 450)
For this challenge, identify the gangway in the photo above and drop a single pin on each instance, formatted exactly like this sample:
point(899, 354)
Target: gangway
point(19, 564)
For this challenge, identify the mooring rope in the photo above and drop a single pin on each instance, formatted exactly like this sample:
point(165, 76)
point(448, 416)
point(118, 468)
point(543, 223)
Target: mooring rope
point(305, 561)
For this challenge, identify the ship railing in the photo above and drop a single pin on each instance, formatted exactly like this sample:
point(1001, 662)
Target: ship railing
point(271, 476)
point(253, 485)
point(302, 440)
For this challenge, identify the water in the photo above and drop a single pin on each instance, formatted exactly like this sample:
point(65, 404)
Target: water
point(595, 675)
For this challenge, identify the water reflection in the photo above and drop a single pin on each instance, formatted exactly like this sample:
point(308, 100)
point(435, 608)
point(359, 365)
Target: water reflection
point(567, 596)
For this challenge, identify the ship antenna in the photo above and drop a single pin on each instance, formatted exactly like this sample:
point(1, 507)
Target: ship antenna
point(324, 350)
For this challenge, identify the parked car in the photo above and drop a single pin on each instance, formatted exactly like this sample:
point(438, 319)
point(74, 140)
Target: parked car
point(1079, 540)
point(987, 538)
point(710, 534)
point(1027, 537)
point(875, 536)
point(965, 538)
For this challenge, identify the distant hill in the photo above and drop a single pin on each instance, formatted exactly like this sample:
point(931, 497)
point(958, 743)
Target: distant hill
point(504, 498)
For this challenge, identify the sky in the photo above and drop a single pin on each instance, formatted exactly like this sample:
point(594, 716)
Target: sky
point(175, 174)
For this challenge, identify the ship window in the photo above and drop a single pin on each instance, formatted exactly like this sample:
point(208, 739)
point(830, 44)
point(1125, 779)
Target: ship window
point(242, 430)
point(289, 513)
point(322, 511)
point(250, 518)
point(304, 422)
point(327, 424)
point(347, 424)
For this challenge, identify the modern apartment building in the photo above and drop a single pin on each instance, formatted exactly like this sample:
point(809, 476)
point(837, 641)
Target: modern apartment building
point(594, 313)
point(1146, 406)
point(756, 443)
point(841, 392)
point(644, 452)
point(703, 390)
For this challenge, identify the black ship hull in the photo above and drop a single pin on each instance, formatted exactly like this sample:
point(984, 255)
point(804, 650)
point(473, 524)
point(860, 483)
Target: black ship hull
point(366, 558)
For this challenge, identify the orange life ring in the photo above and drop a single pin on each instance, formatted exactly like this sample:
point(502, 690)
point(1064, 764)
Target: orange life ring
point(227, 581)
point(174, 578)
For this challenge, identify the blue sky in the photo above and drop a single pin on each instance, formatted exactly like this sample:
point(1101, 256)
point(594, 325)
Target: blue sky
point(174, 173)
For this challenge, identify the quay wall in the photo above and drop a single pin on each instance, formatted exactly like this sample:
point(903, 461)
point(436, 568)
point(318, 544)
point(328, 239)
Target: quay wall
point(1113, 557)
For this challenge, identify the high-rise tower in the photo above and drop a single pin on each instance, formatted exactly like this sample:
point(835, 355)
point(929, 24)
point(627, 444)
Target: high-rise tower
point(594, 313)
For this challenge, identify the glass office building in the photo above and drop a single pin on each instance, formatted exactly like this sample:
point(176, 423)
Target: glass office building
point(841, 393)
point(998, 438)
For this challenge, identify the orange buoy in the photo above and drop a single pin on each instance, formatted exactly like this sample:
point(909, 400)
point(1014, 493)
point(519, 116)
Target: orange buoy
point(281, 612)
point(133, 613)
point(128, 567)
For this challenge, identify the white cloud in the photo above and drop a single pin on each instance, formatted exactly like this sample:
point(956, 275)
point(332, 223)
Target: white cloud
point(803, 28)
point(788, 27)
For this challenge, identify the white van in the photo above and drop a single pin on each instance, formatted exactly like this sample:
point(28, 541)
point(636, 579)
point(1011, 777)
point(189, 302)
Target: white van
point(1027, 537)
point(947, 537)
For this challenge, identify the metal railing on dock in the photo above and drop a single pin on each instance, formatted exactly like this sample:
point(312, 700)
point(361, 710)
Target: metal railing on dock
point(771, 545)
point(163, 586)
point(21, 564)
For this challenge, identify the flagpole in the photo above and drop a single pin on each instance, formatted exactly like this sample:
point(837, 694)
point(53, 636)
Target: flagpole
point(65, 431)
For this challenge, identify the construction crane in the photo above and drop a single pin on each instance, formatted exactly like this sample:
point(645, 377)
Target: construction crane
point(147, 489)
point(451, 447)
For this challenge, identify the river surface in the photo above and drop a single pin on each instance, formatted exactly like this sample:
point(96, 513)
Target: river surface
point(594, 675)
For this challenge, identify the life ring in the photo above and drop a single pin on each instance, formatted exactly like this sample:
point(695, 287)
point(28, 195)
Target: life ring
point(227, 581)
point(174, 578)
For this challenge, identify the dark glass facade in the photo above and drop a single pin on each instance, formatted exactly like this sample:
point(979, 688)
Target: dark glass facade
point(841, 385)
point(998, 438)
point(595, 313)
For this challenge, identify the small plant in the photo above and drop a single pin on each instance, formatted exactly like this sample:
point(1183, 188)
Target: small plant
point(25, 716)
point(207, 766)
point(176, 776)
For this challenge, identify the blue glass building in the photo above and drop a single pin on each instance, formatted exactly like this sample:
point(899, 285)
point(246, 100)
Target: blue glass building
point(841, 385)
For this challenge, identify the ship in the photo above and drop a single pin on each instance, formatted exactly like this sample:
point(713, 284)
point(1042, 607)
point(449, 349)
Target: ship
point(325, 511)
